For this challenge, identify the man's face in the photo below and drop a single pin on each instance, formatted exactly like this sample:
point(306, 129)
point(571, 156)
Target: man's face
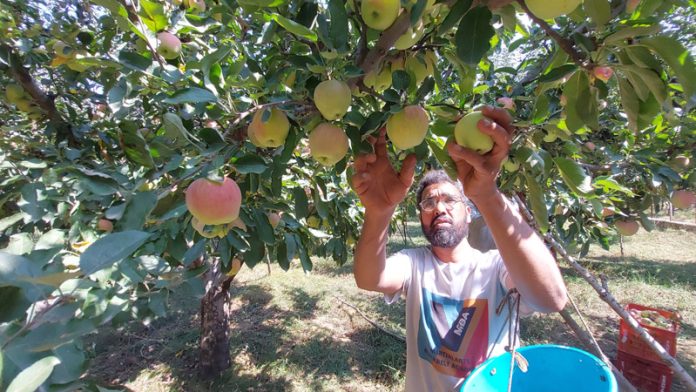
point(444, 215)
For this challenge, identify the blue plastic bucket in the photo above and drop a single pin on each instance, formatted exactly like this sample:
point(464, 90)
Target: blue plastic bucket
point(551, 368)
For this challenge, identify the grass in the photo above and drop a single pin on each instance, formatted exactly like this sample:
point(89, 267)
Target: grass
point(291, 330)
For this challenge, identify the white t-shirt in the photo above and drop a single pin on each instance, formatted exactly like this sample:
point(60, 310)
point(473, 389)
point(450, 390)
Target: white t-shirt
point(451, 320)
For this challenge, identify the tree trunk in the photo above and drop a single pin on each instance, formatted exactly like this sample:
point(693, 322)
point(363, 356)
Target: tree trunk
point(215, 336)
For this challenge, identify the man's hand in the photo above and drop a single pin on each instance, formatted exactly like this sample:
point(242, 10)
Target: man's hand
point(379, 187)
point(477, 173)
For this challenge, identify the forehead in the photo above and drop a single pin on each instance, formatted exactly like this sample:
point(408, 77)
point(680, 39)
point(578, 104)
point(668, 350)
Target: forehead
point(441, 189)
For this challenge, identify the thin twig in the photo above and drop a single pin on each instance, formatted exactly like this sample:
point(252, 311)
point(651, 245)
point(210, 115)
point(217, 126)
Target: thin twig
point(375, 324)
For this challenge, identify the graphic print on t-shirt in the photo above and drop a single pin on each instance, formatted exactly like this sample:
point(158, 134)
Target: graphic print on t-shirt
point(453, 334)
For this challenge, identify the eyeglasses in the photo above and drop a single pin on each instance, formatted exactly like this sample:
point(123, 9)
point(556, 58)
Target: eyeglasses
point(430, 203)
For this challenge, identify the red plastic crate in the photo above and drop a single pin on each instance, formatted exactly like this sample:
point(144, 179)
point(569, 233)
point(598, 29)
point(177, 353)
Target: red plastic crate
point(646, 376)
point(631, 343)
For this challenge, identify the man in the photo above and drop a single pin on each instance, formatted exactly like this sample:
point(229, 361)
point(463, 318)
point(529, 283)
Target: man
point(451, 289)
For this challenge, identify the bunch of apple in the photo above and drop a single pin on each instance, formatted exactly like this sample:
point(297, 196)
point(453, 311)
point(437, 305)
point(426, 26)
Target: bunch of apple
point(16, 95)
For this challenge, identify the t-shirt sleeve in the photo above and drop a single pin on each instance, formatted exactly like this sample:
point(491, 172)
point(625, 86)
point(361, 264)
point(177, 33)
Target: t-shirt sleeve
point(525, 309)
point(400, 262)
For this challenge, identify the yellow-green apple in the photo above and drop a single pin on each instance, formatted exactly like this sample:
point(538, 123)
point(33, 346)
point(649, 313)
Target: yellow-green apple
point(603, 73)
point(683, 199)
point(169, 45)
point(25, 105)
point(332, 98)
point(272, 132)
point(61, 49)
point(213, 202)
point(274, 219)
point(380, 14)
point(680, 162)
point(396, 64)
point(105, 225)
point(407, 128)
point(197, 6)
point(590, 146)
point(14, 93)
point(467, 133)
point(626, 227)
point(506, 102)
point(410, 37)
point(379, 80)
point(511, 165)
point(418, 68)
point(328, 144)
point(550, 9)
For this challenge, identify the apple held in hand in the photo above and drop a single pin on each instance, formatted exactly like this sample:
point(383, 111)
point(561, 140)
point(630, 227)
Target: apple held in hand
point(550, 9)
point(214, 203)
point(467, 134)
point(332, 98)
point(328, 144)
point(269, 133)
point(683, 199)
point(380, 14)
point(407, 128)
point(169, 45)
point(627, 227)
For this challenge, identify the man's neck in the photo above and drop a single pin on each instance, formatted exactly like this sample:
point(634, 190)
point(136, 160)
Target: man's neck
point(452, 255)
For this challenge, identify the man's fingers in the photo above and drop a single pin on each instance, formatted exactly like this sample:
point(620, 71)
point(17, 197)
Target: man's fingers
point(500, 135)
point(362, 161)
point(499, 115)
point(381, 143)
point(471, 157)
point(408, 168)
point(361, 182)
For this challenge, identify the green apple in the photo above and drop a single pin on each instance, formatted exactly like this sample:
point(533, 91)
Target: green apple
point(328, 144)
point(169, 45)
point(380, 14)
point(467, 133)
point(270, 133)
point(407, 128)
point(410, 37)
point(510, 165)
point(332, 98)
point(545, 9)
point(379, 81)
point(419, 68)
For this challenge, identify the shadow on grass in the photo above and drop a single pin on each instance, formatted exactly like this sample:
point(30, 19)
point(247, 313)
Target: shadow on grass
point(662, 272)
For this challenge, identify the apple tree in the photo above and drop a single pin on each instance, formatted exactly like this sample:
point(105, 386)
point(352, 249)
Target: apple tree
point(152, 146)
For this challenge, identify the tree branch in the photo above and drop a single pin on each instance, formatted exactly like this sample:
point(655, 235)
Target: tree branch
point(564, 43)
point(374, 323)
point(46, 102)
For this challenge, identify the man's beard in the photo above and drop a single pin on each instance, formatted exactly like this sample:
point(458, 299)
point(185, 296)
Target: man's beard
point(446, 236)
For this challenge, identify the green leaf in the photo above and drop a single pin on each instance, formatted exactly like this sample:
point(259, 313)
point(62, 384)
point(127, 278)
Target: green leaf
point(443, 157)
point(191, 95)
point(535, 196)
point(304, 258)
point(136, 147)
point(631, 32)
point(155, 18)
point(138, 210)
point(31, 378)
point(111, 249)
point(679, 59)
point(176, 131)
point(261, 3)
point(609, 185)
point(648, 224)
point(557, 73)
point(574, 176)
point(250, 164)
point(301, 202)
point(581, 107)
point(598, 10)
point(629, 102)
point(474, 34)
point(194, 252)
point(13, 305)
point(263, 227)
point(338, 29)
point(8, 221)
point(458, 10)
point(54, 238)
point(294, 27)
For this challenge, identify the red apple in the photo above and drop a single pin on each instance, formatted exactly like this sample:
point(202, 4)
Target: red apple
point(214, 203)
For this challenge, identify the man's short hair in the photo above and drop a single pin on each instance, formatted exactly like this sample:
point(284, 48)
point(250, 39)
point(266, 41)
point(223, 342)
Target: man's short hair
point(437, 177)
